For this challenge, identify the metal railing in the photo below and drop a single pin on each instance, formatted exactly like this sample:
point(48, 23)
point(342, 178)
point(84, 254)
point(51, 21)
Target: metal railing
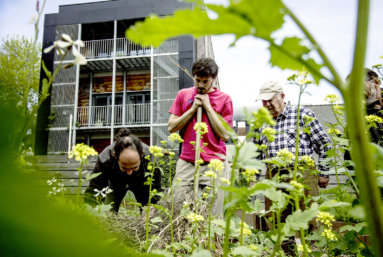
point(97, 116)
point(96, 49)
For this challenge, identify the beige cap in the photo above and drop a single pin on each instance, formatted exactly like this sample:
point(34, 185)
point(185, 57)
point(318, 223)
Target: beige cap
point(269, 89)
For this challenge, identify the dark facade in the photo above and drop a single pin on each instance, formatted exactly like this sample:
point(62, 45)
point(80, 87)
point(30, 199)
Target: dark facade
point(122, 85)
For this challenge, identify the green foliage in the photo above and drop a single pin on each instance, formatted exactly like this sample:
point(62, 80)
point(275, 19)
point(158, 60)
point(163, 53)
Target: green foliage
point(17, 81)
point(243, 251)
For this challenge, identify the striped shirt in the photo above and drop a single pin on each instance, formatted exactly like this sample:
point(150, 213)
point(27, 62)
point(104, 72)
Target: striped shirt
point(316, 141)
point(376, 134)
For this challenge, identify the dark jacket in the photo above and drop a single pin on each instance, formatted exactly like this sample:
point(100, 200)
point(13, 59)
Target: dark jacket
point(120, 182)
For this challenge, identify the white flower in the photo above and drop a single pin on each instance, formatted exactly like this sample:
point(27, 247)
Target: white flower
point(100, 192)
point(66, 42)
point(108, 190)
point(49, 182)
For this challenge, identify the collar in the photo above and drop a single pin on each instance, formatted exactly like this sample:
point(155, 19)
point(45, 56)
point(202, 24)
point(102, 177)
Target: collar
point(286, 110)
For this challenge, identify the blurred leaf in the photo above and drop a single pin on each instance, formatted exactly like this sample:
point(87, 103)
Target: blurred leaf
point(300, 219)
point(162, 253)
point(47, 72)
point(285, 56)
point(355, 228)
point(358, 212)
point(243, 251)
point(156, 220)
point(92, 176)
point(331, 204)
point(154, 30)
point(203, 253)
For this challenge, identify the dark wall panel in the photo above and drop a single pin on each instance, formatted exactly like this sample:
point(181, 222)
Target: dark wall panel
point(186, 59)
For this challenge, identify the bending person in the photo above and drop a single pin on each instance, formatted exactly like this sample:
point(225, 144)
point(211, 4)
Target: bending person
point(123, 166)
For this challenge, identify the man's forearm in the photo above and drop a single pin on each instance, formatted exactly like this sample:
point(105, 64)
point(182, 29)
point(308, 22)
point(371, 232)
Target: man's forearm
point(217, 125)
point(177, 123)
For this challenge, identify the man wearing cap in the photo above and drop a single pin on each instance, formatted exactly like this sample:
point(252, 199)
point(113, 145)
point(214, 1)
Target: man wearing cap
point(285, 115)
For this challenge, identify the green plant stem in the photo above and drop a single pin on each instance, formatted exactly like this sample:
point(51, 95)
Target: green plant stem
point(79, 182)
point(242, 225)
point(271, 177)
point(337, 118)
point(148, 206)
point(335, 164)
point(172, 207)
point(279, 234)
point(211, 205)
point(364, 168)
point(229, 211)
point(296, 168)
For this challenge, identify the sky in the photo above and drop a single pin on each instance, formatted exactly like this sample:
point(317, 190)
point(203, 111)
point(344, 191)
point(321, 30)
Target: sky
point(245, 67)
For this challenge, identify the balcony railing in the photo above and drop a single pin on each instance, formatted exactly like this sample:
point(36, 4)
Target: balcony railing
point(96, 49)
point(130, 114)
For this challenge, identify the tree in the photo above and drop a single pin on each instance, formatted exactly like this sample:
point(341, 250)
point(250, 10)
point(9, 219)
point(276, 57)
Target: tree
point(17, 82)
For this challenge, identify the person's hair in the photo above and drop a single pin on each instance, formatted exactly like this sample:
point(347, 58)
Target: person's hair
point(370, 75)
point(205, 67)
point(125, 140)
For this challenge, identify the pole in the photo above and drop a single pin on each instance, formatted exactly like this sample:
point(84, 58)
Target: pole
point(197, 153)
point(70, 133)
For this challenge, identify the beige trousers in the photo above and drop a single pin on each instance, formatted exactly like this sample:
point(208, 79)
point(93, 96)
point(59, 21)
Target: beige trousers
point(185, 188)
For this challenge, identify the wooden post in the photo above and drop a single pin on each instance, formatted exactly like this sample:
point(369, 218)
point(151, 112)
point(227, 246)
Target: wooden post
point(197, 153)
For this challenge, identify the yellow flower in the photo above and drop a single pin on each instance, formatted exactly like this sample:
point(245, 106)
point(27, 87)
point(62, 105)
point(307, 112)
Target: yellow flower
point(263, 116)
point(269, 133)
point(172, 153)
point(300, 248)
point(156, 151)
point(308, 119)
point(325, 218)
point(286, 155)
point(201, 127)
point(81, 152)
point(297, 186)
point(249, 174)
point(195, 217)
point(334, 131)
point(246, 230)
point(200, 162)
point(263, 147)
point(163, 142)
point(371, 119)
point(253, 247)
point(210, 174)
point(332, 98)
point(305, 81)
point(224, 180)
point(205, 195)
point(307, 159)
point(216, 165)
point(175, 137)
point(327, 233)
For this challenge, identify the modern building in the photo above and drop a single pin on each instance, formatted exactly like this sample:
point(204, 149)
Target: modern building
point(123, 84)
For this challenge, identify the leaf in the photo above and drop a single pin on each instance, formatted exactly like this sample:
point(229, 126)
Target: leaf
point(257, 205)
point(203, 253)
point(358, 227)
point(253, 12)
point(286, 56)
point(246, 158)
point(243, 250)
point(331, 204)
point(358, 212)
point(221, 223)
point(108, 241)
point(300, 219)
point(47, 72)
point(163, 253)
point(154, 30)
point(156, 220)
point(92, 176)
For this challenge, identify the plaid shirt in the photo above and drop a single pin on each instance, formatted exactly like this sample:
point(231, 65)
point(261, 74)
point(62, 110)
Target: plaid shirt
point(285, 136)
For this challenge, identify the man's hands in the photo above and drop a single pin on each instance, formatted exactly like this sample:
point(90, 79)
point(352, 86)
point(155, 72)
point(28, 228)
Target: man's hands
point(322, 181)
point(202, 100)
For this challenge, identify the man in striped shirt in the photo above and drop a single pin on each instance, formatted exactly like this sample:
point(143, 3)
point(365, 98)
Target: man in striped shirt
point(317, 141)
